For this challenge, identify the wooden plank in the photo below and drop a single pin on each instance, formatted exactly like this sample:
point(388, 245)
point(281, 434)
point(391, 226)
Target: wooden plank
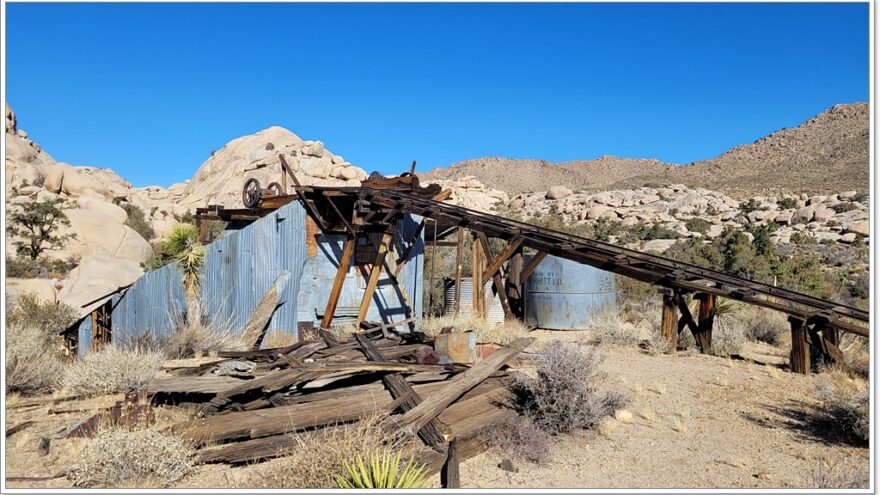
point(706, 319)
point(430, 408)
point(449, 475)
point(800, 351)
point(431, 433)
point(375, 271)
point(687, 319)
point(478, 299)
point(667, 322)
point(193, 384)
point(530, 268)
point(338, 281)
point(508, 251)
point(12, 430)
point(401, 261)
point(256, 326)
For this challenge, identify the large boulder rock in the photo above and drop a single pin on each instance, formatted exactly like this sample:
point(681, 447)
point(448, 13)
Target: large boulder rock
point(860, 227)
point(558, 192)
point(96, 276)
point(658, 246)
point(99, 233)
point(100, 205)
point(41, 288)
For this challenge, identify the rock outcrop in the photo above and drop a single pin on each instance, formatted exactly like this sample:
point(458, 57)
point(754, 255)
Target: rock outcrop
point(96, 276)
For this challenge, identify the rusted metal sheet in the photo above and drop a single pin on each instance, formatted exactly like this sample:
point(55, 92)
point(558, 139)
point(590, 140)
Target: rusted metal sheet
point(456, 347)
point(563, 294)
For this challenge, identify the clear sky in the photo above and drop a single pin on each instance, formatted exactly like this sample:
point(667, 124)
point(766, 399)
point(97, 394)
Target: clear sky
point(151, 89)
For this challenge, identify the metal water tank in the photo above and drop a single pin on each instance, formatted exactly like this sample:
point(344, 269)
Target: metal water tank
point(562, 294)
point(494, 311)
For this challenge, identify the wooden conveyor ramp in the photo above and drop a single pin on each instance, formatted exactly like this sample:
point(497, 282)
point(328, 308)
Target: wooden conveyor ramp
point(814, 322)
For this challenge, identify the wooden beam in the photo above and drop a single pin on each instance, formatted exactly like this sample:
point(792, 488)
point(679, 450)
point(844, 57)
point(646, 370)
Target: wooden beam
point(255, 328)
point(341, 272)
point(375, 271)
point(449, 475)
point(497, 279)
point(706, 318)
point(800, 351)
point(477, 299)
point(508, 251)
point(668, 331)
point(414, 419)
point(401, 261)
point(432, 433)
point(688, 320)
point(533, 264)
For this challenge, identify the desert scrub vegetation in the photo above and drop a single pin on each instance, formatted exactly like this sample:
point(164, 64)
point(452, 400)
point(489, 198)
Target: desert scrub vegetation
point(112, 370)
point(607, 327)
point(762, 325)
point(137, 220)
point(33, 345)
point(382, 469)
point(843, 412)
point(521, 439)
point(565, 395)
point(138, 458)
point(320, 456)
point(499, 333)
point(839, 474)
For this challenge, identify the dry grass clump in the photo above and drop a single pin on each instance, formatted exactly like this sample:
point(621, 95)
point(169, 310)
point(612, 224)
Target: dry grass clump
point(112, 370)
point(728, 336)
point(199, 339)
point(499, 333)
point(521, 439)
point(565, 395)
point(320, 456)
point(844, 411)
point(856, 355)
point(140, 458)
point(762, 325)
point(837, 475)
point(33, 346)
point(607, 327)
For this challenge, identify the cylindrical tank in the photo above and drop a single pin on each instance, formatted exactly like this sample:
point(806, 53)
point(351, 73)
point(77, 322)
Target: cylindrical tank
point(494, 312)
point(562, 294)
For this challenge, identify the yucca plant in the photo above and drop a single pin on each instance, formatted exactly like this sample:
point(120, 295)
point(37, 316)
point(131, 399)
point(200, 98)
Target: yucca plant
point(383, 471)
point(184, 247)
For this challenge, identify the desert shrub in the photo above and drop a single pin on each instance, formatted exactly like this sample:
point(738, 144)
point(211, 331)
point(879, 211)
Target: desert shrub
point(520, 438)
point(381, 469)
point(499, 333)
point(34, 227)
point(844, 409)
point(137, 220)
point(751, 205)
point(697, 252)
point(606, 327)
point(844, 207)
point(320, 456)
point(787, 203)
point(861, 197)
point(33, 345)
point(697, 225)
point(838, 475)
point(565, 395)
point(856, 355)
point(25, 267)
point(139, 458)
point(728, 336)
point(762, 325)
point(112, 370)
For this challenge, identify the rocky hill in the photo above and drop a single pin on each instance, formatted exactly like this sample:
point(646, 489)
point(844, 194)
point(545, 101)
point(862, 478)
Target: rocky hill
point(828, 153)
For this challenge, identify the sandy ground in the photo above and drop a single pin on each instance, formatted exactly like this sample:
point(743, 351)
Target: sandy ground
point(697, 422)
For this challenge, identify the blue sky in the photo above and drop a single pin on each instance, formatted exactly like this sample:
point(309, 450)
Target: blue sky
point(151, 89)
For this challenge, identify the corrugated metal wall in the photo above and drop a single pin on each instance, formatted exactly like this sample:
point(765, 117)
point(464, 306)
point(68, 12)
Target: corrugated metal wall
point(243, 264)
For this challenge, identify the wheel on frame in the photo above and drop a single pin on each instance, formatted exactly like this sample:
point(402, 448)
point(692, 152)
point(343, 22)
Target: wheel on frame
point(275, 189)
point(250, 194)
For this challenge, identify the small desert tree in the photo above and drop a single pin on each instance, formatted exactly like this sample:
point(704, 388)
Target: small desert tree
point(36, 224)
point(183, 246)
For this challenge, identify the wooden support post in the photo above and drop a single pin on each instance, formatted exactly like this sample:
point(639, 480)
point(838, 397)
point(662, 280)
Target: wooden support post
point(375, 271)
point(459, 260)
point(477, 272)
point(515, 293)
point(202, 226)
point(530, 268)
point(800, 351)
point(668, 330)
point(705, 320)
point(493, 271)
point(688, 320)
point(449, 477)
point(341, 272)
point(831, 345)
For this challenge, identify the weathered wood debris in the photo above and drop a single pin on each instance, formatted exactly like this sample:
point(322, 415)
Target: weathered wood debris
point(252, 405)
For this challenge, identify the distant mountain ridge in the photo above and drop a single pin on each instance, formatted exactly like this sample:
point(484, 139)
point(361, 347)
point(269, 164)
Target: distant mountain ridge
point(829, 152)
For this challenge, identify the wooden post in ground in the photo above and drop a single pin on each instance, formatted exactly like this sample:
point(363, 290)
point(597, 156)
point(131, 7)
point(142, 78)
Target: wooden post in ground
point(704, 322)
point(477, 273)
point(831, 345)
point(341, 272)
point(449, 477)
point(459, 260)
point(668, 327)
point(800, 349)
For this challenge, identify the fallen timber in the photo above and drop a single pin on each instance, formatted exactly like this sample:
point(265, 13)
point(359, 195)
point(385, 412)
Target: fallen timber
point(817, 322)
point(264, 412)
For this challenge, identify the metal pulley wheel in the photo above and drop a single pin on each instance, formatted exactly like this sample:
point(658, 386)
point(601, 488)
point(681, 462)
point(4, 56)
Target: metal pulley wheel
point(251, 193)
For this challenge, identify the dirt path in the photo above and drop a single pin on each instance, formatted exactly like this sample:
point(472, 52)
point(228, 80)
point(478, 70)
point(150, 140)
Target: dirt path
point(697, 422)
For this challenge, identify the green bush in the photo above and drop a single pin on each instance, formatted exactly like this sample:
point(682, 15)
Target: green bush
point(750, 206)
point(844, 207)
point(138, 221)
point(787, 203)
point(697, 225)
point(25, 267)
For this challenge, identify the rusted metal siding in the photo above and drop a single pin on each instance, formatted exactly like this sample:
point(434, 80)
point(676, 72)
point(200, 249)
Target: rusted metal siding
point(241, 266)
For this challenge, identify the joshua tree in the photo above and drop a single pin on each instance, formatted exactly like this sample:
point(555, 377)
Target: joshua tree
point(37, 223)
point(183, 246)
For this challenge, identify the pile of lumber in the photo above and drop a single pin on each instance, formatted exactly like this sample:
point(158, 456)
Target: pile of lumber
point(252, 404)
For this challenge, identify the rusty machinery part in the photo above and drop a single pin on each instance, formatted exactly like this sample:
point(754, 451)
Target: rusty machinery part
point(251, 193)
point(274, 190)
